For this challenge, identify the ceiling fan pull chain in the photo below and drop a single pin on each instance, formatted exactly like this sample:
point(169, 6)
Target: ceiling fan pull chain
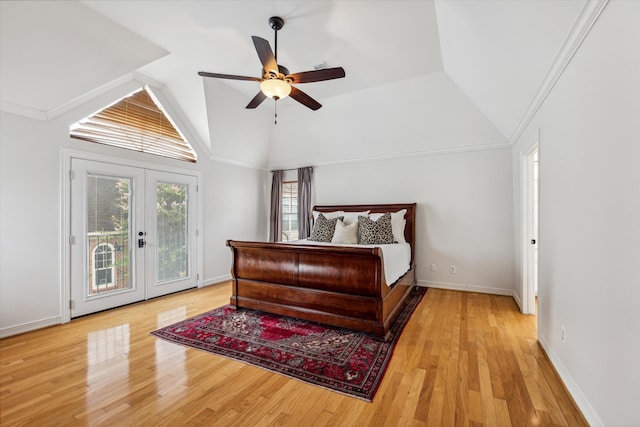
point(275, 113)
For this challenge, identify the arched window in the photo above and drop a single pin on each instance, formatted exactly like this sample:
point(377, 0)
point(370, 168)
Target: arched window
point(103, 266)
point(137, 122)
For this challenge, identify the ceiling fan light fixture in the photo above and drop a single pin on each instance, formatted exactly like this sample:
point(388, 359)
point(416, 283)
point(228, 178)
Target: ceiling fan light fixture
point(275, 88)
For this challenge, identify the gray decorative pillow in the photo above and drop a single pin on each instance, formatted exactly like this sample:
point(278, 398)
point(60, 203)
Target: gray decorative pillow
point(324, 228)
point(378, 232)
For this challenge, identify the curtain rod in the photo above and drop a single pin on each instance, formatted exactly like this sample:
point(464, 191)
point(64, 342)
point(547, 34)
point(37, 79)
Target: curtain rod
point(290, 169)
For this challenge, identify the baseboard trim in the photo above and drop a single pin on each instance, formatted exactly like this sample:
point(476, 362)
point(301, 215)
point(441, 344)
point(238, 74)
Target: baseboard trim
point(466, 287)
point(517, 300)
point(215, 280)
point(30, 326)
point(57, 320)
point(576, 393)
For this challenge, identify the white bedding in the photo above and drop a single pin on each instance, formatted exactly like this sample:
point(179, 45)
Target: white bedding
point(396, 257)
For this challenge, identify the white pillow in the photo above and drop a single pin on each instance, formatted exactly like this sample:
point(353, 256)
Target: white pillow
point(345, 233)
point(352, 217)
point(397, 224)
point(328, 215)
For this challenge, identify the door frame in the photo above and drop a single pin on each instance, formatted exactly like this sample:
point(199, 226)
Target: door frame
point(527, 268)
point(66, 155)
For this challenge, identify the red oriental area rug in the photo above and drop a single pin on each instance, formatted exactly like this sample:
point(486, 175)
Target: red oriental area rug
point(338, 359)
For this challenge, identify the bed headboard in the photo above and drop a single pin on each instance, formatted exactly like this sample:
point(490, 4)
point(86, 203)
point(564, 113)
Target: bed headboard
point(410, 216)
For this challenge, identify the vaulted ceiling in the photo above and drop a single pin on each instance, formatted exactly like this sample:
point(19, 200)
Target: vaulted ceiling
point(474, 61)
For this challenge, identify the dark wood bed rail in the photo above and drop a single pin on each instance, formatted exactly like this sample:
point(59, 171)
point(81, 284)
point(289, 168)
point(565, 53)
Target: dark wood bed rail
point(339, 285)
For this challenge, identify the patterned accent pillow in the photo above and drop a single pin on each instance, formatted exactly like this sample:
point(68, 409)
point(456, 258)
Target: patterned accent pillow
point(378, 232)
point(398, 224)
point(324, 228)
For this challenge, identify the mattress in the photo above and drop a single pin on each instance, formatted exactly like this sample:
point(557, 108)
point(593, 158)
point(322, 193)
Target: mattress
point(396, 256)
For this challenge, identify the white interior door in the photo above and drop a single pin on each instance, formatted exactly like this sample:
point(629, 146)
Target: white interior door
point(133, 235)
point(535, 223)
point(530, 231)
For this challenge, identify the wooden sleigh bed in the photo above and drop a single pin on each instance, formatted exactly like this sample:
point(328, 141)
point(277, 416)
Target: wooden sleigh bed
point(336, 285)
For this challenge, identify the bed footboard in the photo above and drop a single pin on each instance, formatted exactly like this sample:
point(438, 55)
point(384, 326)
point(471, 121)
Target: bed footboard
point(339, 286)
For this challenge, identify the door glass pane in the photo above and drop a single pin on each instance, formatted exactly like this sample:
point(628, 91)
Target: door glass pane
point(108, 217)
point(172, 253)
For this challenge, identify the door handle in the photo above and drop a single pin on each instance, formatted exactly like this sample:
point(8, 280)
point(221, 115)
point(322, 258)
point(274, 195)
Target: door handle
point(533, 241)
point(141, 242)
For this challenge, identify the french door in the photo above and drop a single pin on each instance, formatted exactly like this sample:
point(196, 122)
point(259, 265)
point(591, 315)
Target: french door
point(133, 234)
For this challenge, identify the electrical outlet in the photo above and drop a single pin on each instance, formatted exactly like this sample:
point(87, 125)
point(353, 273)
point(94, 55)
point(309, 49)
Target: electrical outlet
point(562, 334)
point(452, 269)
point(433, 267)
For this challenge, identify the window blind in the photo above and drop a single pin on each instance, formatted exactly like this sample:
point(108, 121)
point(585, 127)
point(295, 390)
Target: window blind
point(136, 122)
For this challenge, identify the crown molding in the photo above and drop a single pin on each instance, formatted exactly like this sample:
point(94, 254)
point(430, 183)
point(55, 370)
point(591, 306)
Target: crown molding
point(21, 110)
point(233, 162)
point(76, 102)
point(67, 106)
point(584, 22)
point(33, 113)
point(411, 154)
point(155, 84)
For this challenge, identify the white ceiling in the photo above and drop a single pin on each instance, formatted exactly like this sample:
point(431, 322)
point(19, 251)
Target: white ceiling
point(497, 52)
point(54, 52)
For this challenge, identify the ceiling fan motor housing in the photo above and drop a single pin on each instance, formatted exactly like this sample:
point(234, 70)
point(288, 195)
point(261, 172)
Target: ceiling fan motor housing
point(282, 73)
point(276, 23)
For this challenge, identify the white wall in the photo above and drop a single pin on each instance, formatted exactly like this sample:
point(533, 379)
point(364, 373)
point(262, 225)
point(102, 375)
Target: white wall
point(29, 222)
point(416, 140)
point(234, 208)
point(589, 280)
point(421, 114)
point(30, 211)
point(464, 211)
point(237, 132)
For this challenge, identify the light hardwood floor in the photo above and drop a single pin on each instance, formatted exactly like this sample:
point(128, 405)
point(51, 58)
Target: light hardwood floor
point(463, 359)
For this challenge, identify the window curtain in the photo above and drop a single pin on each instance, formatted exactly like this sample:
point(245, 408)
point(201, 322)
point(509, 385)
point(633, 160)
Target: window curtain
point(304, 202)
point(275, 224)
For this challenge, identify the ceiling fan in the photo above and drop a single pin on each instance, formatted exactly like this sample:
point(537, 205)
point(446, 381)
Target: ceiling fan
point(276, 82)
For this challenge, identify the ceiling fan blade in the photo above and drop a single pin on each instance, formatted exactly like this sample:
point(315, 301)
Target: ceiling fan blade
point(304, 99)
point(257, 100)
point(317, 75)
point(228, 76)
point(265, 54)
